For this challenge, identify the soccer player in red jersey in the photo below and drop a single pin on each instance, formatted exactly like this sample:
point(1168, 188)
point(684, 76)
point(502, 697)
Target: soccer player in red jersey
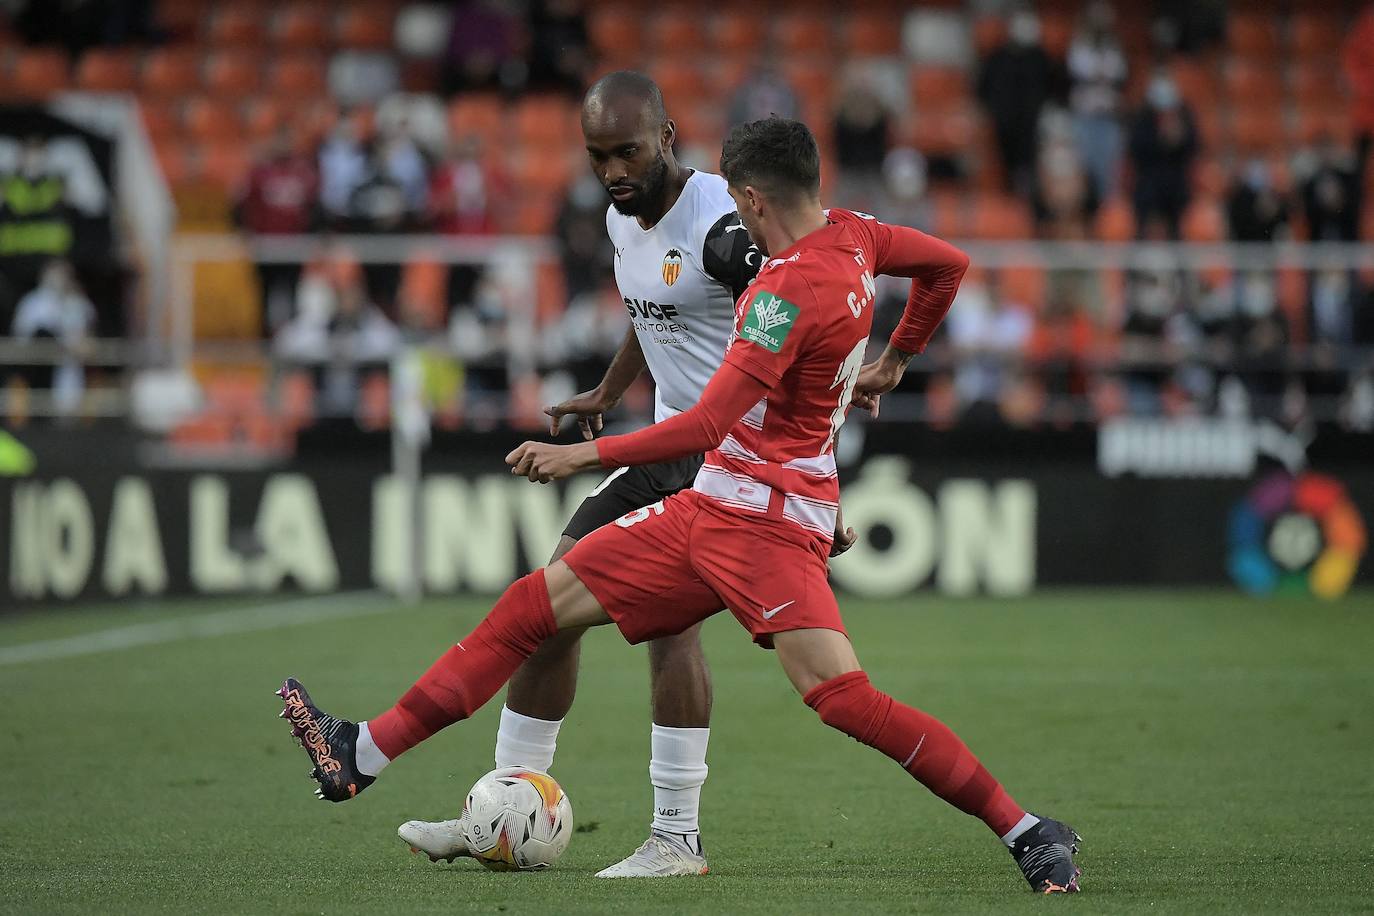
point(754, 532)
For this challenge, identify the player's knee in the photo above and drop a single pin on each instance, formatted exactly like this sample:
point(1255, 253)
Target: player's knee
point(851, 704)
point(682, 651)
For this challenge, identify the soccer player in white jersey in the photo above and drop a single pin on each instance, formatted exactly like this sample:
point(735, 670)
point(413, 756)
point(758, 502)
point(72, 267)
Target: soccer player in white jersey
point(682, 258)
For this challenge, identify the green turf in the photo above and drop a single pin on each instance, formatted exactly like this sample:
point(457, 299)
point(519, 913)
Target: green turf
point(1215, 753)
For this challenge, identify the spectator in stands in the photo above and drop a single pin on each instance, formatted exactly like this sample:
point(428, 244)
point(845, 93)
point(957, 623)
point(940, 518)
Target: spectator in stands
point(1063, 197)
point(1256, 210)
point(1332, 193)
point(1164, 143)
point(399, 158)
point(1016, 81)
point(1154, 335)
point(481, 48)
point(462, 191)
point(1261, 338)
point(586, 252)
point(343, 166)
point(764, 92)
point(278, 198)
point(1062, 348)
point(1097, 75)
point(989, 334)
point(57, 310)
point(863, 135)
point(559, 56)
point(905, 178)
point(1188, 26)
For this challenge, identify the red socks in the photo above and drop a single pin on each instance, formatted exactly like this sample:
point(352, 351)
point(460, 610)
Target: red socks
point(922, 744)
point(469, 674)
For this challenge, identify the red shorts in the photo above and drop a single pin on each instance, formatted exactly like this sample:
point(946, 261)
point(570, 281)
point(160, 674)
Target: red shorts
point(661, 569)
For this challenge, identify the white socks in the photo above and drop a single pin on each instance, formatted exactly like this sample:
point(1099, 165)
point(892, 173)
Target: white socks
point(524, 741)
point(366, 754)
point(1027, 821)
point(677, 768)
point(677, 763)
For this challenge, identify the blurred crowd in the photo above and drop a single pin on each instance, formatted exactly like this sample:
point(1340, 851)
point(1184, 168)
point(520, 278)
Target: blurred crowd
point(1086, 134)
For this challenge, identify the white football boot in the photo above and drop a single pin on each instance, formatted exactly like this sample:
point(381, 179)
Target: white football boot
point(659, 857)
point(436, 839)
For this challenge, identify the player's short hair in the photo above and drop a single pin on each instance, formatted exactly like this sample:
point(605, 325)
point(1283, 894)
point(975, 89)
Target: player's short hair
point(628, 84)
point(778, 156)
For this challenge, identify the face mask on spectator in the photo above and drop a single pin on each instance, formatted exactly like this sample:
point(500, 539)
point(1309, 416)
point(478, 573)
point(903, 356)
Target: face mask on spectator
point(1162, 94)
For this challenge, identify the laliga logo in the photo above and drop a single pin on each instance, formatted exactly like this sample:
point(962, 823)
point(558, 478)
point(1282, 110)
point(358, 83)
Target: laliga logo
point(1296, 534)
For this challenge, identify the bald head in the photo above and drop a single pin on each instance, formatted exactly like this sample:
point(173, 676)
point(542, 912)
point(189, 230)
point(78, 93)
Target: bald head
point(625, 91)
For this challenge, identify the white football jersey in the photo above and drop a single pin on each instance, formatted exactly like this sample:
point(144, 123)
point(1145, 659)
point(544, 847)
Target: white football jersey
point(679, 281)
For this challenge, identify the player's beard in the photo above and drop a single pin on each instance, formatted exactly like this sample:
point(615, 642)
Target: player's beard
point(649, 192)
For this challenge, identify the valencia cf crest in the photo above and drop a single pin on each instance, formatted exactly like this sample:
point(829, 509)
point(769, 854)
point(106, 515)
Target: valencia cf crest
point(672, 266)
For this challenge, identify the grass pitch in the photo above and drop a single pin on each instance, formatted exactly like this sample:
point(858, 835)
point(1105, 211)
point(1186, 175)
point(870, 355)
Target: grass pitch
point(1213, 751)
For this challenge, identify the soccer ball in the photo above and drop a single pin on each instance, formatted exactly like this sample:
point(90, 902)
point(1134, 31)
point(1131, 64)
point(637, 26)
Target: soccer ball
point(516, 819)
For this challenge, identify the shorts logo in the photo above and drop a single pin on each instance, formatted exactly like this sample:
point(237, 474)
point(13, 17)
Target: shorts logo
point(768, 321)
point(672, 266)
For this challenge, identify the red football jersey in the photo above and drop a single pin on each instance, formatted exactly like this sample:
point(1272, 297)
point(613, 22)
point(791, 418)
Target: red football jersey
point(802, 327)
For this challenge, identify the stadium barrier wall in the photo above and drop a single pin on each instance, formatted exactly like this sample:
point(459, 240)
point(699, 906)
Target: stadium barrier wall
point(966, 512)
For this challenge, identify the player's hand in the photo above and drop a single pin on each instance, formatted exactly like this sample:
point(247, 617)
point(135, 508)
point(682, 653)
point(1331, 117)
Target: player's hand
point(843, 541)
point(876, 379)
point(543, 461)
point(587, 407)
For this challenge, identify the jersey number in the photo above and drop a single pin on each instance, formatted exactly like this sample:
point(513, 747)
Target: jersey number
point(846, 377)
point(639, 515)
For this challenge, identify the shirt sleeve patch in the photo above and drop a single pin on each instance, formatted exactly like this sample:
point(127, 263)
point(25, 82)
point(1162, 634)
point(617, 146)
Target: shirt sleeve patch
point(769, 320)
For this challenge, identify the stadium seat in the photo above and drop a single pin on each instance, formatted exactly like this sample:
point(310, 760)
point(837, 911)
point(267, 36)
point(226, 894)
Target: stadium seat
point(1115, 221)
point(544, 122)
point(161, 119)
point(939, 87)
point(533, 215)
point(211, 121)
point(1255, 129)
point(1056, 31)
point(203, 431)
point(996, 216)
point(234, 393)
point(815, 83)
point(1329, 120)
point(1316, 82)
point(478, 115)
point(681, 79)
point(678, 31)
point(107, 70)
point(735, 33)
point(232, 74)
point(873, 34)
point(1316, 34)
point(699, 123)
point(804, 35)
point(1253, 34)
point(236, 26)
point(37, 74)
point(1204, 222)
point(297, 76)
point(296, 399)
point(300, 27)
point(989, 34)
point(178, 17)
point(225, 164)
point(364, 27)
point(262, 117)
point(170, 72)
point(614, 30)
point(1253, 83)
point(374, 402)
point(1197, 83)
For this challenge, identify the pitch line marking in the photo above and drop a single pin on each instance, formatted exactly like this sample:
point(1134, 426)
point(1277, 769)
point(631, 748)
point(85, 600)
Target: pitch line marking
point(274, 616)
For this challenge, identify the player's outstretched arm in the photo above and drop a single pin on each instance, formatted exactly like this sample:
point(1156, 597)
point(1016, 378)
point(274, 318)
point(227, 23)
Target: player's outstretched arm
point(728, 396)
point(588, 407)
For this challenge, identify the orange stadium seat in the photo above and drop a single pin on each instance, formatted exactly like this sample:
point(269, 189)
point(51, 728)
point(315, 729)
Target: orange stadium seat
point(1253, 82)
point(944, 132)
point(815, 83)
point(210, 120)
point(678, 31)
point(1204, 222)
point(534, 170)
point(480, 115)
point(1115, 221)
point(615, 31)
point(236, 25)
point(544, 122)
point(1197, 83)
point(374, 402)
point(38, 74)
point(1253, 34)
point(204, 430)
point(296, 399)
point(301, 26)
point(231, 393)
point(107, 70)
point(170, 72)
point(1056, 31)
point(1315, 82)
point(680, 79)
point(179, 17)
point(365, 26)
point(1255, 128)
point(161, 119)
point(262, 117)
point(873, 33)
point(533, 215)
point(989, 34)
point(1332, 119)
point(801, 34)
point(938, 87)
point(225, 163)
point(297, 76)
point(232, 73)
point(1316, 33)
point(996, 216)
point(738, 33)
